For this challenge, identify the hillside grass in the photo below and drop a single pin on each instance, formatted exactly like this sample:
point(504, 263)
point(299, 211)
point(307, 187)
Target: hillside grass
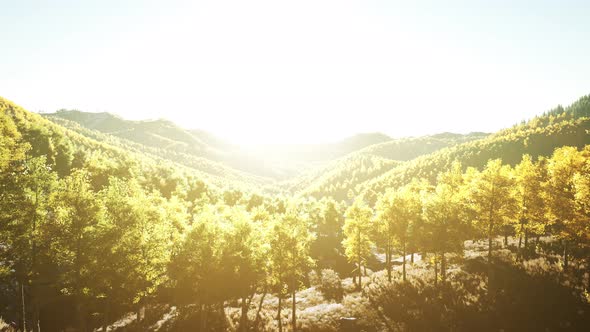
point(530, 291)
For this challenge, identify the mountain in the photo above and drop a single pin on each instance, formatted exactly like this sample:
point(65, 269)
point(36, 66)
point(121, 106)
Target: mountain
point(364, 163)
point(339, 179)
point(85, 211)
point(159, 133)
point(68, 145)
point(409, 148)
point(271, 161)
point(538, 137)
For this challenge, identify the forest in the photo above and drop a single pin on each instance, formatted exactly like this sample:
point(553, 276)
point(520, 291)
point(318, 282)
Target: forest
point(145, 226)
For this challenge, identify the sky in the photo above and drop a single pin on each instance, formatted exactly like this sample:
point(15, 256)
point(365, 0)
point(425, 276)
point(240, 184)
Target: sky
point(298, 71)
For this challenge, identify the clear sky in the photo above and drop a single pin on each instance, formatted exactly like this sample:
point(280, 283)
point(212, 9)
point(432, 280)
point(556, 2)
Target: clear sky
point(298, 71)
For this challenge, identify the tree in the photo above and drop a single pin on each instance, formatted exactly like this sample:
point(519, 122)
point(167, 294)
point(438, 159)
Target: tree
point(326, 248)
point(289, 239)
point(243, 258)
point(76, 230)
point(26, 209)
point(383, 231)
point(582, 200)
point(529, 198)
point(405, 214)
point(138, 235)
point(195, 270)
point(562, 168)
point(493, 199)
point(445, 214)
point(357, 241)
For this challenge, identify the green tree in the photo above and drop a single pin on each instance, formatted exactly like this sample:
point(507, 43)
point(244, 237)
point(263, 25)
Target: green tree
point(582, 197)
point(445, 214)
point(562, 167)
point(289, 240)
point(530, 199)
point(244, 258)
point(196, 268)
point(405, 213)
point(492, 198)
point(326, 248)
point(26, 211)
point(76, 232)
point(357, 240)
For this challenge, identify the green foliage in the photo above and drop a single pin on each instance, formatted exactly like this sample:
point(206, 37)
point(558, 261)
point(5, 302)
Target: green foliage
point(99, 226)
point(447, 217)
point(346, 174)
point(530, 197)
point(492, 198)
point(330, 285)
point(357, 241)
point(537, 137)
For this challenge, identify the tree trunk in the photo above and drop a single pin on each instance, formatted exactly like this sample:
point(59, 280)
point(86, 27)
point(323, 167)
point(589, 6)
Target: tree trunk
point(36, 314)
point(105, 318)
point(294, 309)
point(443, 267)
point(490, 244)
point(34, 292)
point(138, 317)
point(204, 310)
point(435, 270)
point(359, 258)
point(505, 239)
point(404, 261)
point(565, 255)
point(259, 310)
point(360, 274)
point(22, 295)
point(244, 317)
point(279, 315)
point(80, 313)
point(412, 257)
point(388, 262)
point(520, 241)
point(526, 239)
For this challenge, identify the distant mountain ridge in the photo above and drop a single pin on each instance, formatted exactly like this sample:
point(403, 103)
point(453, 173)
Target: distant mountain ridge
point(363, 164)
point(537, 137)
point(300, 165)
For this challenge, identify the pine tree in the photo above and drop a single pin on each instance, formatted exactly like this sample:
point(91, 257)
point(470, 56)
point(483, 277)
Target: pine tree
point(357, 241)
point(530, 199)
point(76, 231)
point(290, 239)
point(562, 168)
point(493, 200)
point(445, 214)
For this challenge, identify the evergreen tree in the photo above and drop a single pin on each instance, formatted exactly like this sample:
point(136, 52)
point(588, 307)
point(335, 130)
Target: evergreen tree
point(357, 241)
point(492, 198)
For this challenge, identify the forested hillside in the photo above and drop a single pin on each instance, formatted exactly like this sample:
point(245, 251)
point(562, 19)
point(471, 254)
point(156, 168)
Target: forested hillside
point(98, 232)
point(537, 137)
point(340, 178)
point(197, 148)
point(409, 148)
point(216, 172)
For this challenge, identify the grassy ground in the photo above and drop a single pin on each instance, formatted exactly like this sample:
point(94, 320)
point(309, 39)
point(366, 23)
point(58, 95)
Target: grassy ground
point(532, 293)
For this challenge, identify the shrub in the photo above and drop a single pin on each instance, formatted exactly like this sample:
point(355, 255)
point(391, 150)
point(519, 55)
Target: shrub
point(331, 285)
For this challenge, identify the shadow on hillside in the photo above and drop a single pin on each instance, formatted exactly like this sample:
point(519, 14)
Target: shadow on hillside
point(515, 301)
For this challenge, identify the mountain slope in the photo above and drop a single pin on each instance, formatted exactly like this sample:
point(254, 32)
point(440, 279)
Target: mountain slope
point(68, 145)
point(219, 174)
point(274, 161)
point(537, 137)
point(340, 178)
